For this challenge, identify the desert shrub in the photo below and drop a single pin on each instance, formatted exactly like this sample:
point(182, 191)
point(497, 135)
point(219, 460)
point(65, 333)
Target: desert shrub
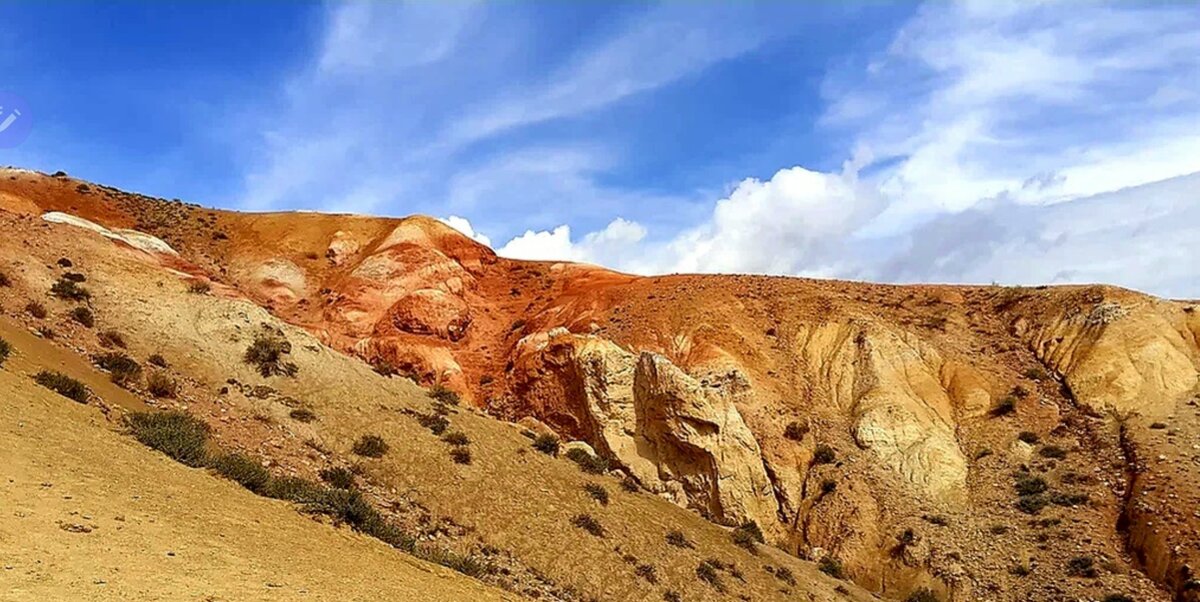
point(748, 534)
point(111, 338)
point(460, 455)
point(267, 354)
point(678, 539)
point(1029, 437)
point(456, 438)
point(547, 444)
point(588, 523)
point(36, 310)
point(4, 281)
point(83, 316)
point(630, 484)
point(833, 567)
point(1030, 485)
point(598, 493)
point(1035, 373)
point(158, 360)
point(1053, 451)
point(244, 470)
point(63, 385)
point(177, 434)
point(46, 333)
point(122, 369)
point(339, 477)
point(922, 594)
point(199, 287)
point(466, 564)
point(828, 486)
point(444, 395)
point(1082, 566)
point(785, 575)
point(647, 572)
point(370, 446)
point(436, 424)
point(589, 463)
point(706, 571)
point(69, 290)
point(672, 596)
point(1069, 500)
point(302, 415)
point(795, 431)
point(160, 384)
point(5, 351)
point(1031, 504)
point(293, 489)
point(824, 454)
point(1005, 406)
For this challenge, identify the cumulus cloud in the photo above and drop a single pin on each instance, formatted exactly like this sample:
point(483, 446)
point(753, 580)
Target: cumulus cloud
point(464, 226)
point(610, 246)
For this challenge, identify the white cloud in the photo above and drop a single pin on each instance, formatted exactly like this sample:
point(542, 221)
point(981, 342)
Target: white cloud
point(617, 240)
point(464, 226)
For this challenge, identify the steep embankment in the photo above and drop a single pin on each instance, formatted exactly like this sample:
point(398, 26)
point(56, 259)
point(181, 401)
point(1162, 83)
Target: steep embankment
point(958, 438)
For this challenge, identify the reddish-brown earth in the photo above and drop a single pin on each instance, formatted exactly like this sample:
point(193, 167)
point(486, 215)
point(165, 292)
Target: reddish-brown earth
point(857, 423)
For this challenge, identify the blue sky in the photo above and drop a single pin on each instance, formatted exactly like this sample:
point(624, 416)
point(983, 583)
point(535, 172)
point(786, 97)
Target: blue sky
point(882, 141)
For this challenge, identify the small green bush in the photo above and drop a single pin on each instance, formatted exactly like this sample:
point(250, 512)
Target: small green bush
point(706, 571)
point(785, 575)
point(832, 567)
point(161, 385)
point(588, 523)
point(177, 434)
point(83, 316)
point(370, 446)
point(121, 368)
point(672, 596)
point(69, 290)
point(111, 338)
point(678, 539)
point(63, 385)
point(1082, 566)
point(293, 489)
point(1035, 374)
point(5, 351)
point(1030, 485)
point(244, 470)
point(1031, 504)
point(267, 353)
point(458, 438)
point(460, 455)
point(463, 563)
point(647, 572)
point(598, 493)
point(589, 463)
point(824, 454)
point(302, 415)
point(1053, 452)
point(795, 431)
point(441, 394)
point(436, 424)
point(36, 310)
point(1069, 500)
point(547, 444)
point(748, 534)
point(339, 477)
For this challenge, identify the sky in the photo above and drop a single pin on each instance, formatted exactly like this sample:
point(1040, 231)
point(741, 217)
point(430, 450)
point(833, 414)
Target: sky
point(976, 142)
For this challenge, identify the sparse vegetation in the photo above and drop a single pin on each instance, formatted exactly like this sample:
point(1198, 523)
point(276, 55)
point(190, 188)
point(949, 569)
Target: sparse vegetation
point(5, 351)
point(1069, 500)
point(199, 287)
point(244, 470)
point(706, 571)
point(302, 415)
point(160, 384)
point(589, 463)
point(436, 424)
point(1053, 451)
point(370, 446)
point(83, 316)
point(547, 444)
point(457, 438)
point(922, 594)
point(832, 567)
point(441, 394)
point(748, 534)
point(111, 339)
point(672, 596)
point(785, 575)
point(122, 369)
point(339, 477)
point(177, 434)
point(630, 484)
point(293, 489)
point(63, 385)
point(795, 431)
point(1117, 598)
point(824, 454)
point(69, 290)
point(1035, 373)
point(647, 572)
point(267, 353)
point(460, 455)
point(4, 281)
point(678, 539)
point(598, 493)
point(588, 523)
point(36, 310)
point(1031, 504)
point(157, 360)
point(1005, 406)
point(1030, 485)
point(1082, 566)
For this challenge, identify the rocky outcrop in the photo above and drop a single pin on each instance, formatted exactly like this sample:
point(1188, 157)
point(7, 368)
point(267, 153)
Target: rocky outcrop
point(428, 312)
